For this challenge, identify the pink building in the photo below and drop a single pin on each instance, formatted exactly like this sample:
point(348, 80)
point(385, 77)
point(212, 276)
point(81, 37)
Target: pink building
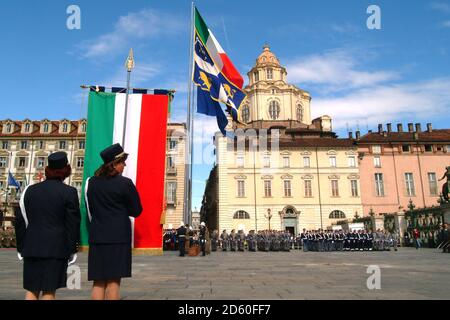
point(398, 166)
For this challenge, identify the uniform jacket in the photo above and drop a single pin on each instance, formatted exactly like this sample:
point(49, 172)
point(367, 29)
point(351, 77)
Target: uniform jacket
point(110, 203)
point(48, 221)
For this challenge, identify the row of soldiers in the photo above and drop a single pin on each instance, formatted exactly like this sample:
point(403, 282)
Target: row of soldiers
point(338, 240)
point(7, 238)
point(312, 240)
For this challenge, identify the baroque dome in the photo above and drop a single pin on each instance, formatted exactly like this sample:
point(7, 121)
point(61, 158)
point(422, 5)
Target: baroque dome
point(267, 57)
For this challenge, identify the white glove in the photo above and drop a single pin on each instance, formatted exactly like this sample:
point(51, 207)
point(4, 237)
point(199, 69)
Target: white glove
point(72, 258)
point(19, 256)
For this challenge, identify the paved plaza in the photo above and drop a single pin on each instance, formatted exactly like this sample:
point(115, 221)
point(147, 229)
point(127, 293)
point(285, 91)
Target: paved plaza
point(406, 274)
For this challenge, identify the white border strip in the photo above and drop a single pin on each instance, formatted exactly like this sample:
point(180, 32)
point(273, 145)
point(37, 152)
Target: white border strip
point(22, 206)
point(86, 185)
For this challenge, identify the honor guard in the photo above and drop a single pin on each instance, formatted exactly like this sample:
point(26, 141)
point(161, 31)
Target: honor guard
point(181, 234)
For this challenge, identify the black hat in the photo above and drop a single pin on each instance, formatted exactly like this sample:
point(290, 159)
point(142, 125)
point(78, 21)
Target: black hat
point(112, 153)
point(57, 160)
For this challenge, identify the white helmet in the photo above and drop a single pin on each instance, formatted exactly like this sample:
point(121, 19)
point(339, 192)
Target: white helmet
point(202, 224)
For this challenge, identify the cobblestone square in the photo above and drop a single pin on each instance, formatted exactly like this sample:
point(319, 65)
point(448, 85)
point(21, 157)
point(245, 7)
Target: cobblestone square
point(405, 274)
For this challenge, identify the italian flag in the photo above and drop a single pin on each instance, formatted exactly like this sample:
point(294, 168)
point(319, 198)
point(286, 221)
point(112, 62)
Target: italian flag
point(145, 142)
point(221, 60)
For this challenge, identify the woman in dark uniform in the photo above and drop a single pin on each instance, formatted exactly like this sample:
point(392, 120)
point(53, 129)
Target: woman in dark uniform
point(110, 199)
point(48, 230)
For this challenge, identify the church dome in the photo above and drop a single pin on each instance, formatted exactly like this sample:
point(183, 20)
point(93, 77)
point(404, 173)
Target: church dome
point(267, 57)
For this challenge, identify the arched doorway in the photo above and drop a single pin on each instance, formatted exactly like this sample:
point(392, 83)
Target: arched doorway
point(289, 219)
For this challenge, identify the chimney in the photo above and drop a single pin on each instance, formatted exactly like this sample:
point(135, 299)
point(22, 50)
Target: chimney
point(410, 127)
point(429, 127)
point(357, 134)
point(350, 135)
point(399, 127)
point(380, 128)
point(418, 128)
point(389, 127)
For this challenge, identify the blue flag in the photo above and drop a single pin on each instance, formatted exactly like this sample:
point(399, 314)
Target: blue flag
point(213, 87)
point(12, 182)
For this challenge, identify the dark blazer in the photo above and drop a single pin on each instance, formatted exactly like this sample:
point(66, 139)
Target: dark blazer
point(53, 213)
point(110, 202)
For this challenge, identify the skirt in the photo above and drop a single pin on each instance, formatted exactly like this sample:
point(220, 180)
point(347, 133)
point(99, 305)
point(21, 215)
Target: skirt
point(44, 274)
point(109, 261)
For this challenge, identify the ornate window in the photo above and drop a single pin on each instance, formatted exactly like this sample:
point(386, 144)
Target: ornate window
point(354, 187)
point(8, 128)
point(269, 74)
point(241, 188)
point(245, 114)
point(306, 162)
point(241, 214)
point(335, 188)
point(64, 127)
point(27, 127)
point(267, 188)
point(337, 214)
point(299, 113)
point(45, 127)
point(379, 184)
point(274, 110)
point(171, 192)
point(287, 188)
point(308, 189)
point(256, 75)
point(80, 162)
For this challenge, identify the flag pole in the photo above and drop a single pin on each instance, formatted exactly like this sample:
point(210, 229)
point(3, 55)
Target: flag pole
point(189, 127)
point(129, 64)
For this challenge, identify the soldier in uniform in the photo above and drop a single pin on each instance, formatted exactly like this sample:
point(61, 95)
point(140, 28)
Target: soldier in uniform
point(181, 235)
point(232, 240)
point(214, 240)
point(341, 239)
point(240, 240)
point(224, 240)
point(48, 230)
point(395, 239)
point(202, 237)
point(369, 243)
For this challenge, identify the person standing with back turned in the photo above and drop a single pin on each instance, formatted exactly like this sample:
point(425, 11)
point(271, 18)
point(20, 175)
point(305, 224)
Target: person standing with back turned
point(48, 230)
point(110, 199)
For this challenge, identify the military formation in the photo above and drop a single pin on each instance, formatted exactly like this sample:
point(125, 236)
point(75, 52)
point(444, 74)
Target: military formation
point(7, 237)
point(311, 240)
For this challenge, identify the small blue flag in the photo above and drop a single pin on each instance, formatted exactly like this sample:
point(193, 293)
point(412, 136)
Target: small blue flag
point(12, 182)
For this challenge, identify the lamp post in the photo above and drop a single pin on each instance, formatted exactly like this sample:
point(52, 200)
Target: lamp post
point(268, 216)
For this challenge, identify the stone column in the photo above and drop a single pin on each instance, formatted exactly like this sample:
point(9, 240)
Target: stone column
point(400, 224)
point(377, 223)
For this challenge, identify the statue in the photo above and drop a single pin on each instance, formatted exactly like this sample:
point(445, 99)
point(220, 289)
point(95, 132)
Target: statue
point(446, 186)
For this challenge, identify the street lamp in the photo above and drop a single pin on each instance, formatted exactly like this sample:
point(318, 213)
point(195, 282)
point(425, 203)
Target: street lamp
point(268, 216)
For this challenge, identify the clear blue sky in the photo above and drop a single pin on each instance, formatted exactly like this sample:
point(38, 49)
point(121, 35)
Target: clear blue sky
point(360, 77)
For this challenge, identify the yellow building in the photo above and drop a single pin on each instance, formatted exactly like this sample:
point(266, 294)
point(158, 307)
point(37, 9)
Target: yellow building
point(300, 175)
